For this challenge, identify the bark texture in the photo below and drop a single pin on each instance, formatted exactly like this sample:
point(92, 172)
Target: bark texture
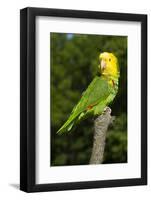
point(101, 124)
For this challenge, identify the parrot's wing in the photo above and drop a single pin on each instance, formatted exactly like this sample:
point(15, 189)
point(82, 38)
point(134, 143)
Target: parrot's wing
point(97, 91)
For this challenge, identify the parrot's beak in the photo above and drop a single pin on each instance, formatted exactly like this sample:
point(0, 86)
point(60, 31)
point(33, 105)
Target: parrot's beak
point(103, 65)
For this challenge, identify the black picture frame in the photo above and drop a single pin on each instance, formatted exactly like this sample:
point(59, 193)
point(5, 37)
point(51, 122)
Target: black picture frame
point(28, 98)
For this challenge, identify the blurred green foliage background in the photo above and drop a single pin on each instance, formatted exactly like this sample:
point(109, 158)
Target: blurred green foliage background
point(74, 63)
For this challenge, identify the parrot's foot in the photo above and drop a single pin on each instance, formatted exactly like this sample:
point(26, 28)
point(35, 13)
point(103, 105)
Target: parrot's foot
point(107, 109)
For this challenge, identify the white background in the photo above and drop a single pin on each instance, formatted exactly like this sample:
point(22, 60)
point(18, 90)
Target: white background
point(9, 100)
point(45, 174)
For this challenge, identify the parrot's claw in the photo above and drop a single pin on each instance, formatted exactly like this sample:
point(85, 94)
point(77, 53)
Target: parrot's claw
point(107, 109)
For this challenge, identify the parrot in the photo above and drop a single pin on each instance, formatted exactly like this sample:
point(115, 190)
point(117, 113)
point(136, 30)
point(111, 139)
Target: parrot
point(99, 94)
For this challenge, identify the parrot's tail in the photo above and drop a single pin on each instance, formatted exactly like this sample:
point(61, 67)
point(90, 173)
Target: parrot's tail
point(68, 125)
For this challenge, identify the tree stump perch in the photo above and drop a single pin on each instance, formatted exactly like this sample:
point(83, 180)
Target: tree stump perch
point(101, 124)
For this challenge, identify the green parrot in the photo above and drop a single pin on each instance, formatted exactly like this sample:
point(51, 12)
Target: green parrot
point(99, 94)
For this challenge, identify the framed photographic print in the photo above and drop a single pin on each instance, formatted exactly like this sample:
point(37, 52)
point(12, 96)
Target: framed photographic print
point(83, 99)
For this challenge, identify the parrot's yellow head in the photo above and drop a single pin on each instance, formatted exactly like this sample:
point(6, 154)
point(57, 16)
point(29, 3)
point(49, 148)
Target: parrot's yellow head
point(108, 65)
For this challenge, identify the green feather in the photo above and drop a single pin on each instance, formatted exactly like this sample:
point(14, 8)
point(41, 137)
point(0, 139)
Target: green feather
point(93, 101)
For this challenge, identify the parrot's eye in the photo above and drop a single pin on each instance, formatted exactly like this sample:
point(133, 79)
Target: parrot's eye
point(109, 59)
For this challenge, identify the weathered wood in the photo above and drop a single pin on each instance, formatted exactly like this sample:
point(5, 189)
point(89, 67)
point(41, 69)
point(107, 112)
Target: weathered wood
point(101, 124)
